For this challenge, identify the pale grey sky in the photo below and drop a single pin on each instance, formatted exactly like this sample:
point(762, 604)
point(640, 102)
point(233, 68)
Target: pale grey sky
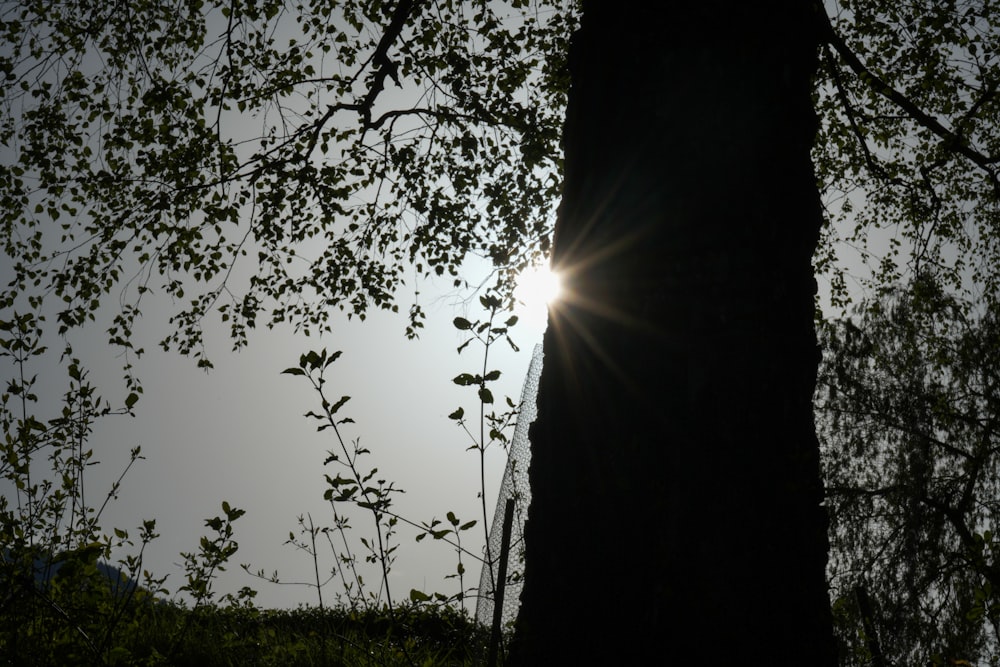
point(238, 434)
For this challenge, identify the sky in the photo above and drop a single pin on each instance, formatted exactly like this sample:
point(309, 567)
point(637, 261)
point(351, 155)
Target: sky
point(237, 434)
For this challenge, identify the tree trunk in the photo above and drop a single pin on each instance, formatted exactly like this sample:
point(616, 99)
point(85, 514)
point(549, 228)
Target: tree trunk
point(676, 513)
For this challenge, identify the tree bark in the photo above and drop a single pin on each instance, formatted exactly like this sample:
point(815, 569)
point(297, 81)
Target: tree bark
point(676, 501)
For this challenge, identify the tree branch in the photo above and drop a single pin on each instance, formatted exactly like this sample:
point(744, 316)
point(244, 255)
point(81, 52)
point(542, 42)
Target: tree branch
point(873, 166)
point(951, 140)
point(386, 67)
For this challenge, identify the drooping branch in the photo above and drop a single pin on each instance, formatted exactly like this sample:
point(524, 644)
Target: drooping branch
point(852, 118)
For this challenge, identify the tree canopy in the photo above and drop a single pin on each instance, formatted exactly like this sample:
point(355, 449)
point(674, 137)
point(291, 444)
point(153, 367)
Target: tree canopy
point(908, 153)
point(908, 406)
point(276, 162)
point(272, 161)
point(907, 156)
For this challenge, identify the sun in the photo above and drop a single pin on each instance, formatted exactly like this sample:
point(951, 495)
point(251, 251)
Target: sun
point(538, 286)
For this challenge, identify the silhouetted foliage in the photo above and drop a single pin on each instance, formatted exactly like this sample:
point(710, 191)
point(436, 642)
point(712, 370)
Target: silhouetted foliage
point(909, 418)
point(908, 152)
point(254, 162)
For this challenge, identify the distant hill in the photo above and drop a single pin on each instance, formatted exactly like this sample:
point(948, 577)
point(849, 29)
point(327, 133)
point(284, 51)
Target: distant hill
point(46, 569)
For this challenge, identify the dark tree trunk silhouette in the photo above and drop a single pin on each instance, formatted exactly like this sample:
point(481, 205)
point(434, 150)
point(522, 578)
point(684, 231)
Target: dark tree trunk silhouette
point(676, 513)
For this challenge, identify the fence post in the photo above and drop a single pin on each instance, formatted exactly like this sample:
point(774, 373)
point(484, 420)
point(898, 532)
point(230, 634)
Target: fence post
point(501, 583)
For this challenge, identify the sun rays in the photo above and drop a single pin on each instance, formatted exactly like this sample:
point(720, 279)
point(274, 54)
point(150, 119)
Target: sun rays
point(538, 286)
point(596, 290)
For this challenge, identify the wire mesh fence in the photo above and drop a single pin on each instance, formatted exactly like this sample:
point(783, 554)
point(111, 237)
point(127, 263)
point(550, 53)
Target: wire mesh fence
point(513, 486)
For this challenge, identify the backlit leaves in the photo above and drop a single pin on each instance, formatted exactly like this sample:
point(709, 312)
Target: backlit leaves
point(908, 150)
point(272, 164)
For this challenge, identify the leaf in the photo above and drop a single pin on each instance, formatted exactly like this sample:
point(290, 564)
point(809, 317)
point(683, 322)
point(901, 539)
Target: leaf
point(131, 400)
point(485, 395)
point(462, 324)
point(465, 379)
point(333, 357)
point(418, 596)
point(293, 371)
point(490, 302)
point(336, 406)
point(457, 414)
point(492, 375)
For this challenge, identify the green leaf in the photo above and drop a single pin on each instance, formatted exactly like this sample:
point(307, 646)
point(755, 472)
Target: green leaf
point(457, 414)
point(293, 371)
point(131, 400)
point(490, 301)
point(465, 379)
point(336, 406)
point(462, 324)
point(485, 395)
point(332, 358)
point(418, 596)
